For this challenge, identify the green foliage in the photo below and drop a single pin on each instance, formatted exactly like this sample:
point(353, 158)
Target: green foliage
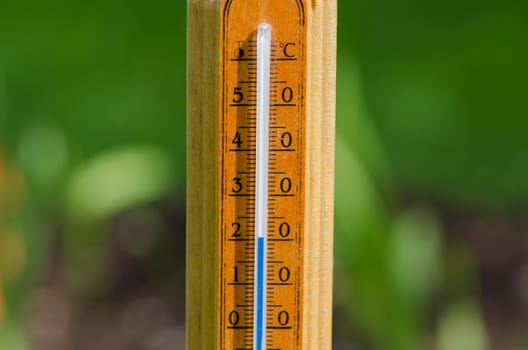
point(12, 337)
point(445, 85)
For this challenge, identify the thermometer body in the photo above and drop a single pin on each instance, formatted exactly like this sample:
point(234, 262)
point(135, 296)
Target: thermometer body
point(260, 168)
point(261, 161)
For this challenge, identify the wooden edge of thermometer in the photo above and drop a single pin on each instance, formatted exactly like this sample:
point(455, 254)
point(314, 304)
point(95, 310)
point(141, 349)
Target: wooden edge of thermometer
point(260, 173)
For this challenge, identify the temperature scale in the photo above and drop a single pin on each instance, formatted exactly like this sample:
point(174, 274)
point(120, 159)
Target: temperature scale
point(261, 99)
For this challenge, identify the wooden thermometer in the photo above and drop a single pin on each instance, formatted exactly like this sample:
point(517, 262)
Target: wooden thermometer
point(261, 100)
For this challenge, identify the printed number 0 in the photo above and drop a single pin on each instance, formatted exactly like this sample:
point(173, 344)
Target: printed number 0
point(287, 94)
point(234, 318)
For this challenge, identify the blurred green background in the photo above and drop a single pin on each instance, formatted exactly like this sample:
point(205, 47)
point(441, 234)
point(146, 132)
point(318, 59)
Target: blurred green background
point(432, 175)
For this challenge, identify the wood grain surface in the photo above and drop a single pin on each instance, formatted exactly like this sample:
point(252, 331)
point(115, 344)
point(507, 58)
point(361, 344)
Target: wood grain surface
point(205, 91)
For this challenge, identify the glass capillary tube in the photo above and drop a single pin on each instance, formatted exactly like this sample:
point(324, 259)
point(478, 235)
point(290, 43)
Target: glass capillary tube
point(261, 191)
